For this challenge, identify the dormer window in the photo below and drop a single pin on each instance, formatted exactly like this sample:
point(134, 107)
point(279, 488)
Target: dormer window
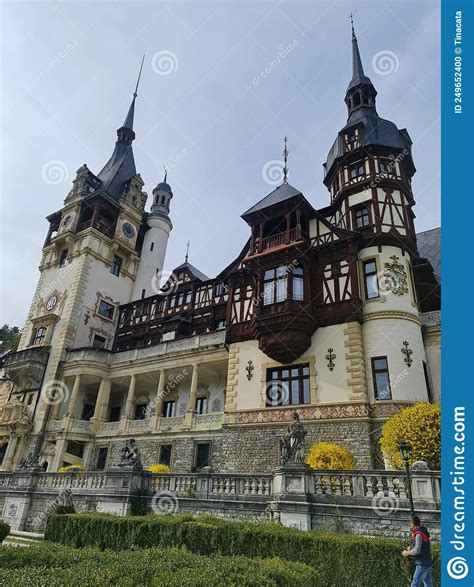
point(352, 139)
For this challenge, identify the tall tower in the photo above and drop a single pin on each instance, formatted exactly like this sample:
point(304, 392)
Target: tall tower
point(90, 262)
point(368, 173)
point(158, 228)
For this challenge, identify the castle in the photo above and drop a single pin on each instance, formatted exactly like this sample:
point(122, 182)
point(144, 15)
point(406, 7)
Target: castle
point(333, 313)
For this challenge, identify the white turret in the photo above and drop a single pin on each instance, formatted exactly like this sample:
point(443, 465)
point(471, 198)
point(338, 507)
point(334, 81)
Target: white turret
point(155, 243)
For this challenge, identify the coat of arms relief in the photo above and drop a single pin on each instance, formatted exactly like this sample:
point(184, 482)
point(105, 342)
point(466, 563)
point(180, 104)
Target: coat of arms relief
point(395, 277)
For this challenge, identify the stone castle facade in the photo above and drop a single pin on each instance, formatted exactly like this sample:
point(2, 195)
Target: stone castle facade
point(333, 313)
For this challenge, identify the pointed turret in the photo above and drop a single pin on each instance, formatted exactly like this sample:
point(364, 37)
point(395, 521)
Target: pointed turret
point(120, 168)
point(360, 91)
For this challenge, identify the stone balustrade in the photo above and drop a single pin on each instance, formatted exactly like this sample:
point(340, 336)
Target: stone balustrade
point(90, 355)
point(366, 501)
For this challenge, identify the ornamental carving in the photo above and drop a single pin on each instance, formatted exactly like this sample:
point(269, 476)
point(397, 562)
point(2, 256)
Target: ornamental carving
point(338, 411)
point(330, 359)
point(407, 352)
point(395, 277)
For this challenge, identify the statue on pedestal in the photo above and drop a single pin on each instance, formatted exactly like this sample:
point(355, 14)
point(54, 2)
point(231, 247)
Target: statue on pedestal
point(130, 458)
point(292, 444)
point(29, 463)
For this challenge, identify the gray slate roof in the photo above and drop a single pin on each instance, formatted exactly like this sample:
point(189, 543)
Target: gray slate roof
point(429, 247)
point(199, 274)
point(280, 194)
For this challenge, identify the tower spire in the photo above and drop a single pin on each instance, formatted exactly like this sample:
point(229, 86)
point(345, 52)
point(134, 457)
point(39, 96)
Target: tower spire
point(186, 257)
point(128, 123)
point(165, 177)
point(285, 158)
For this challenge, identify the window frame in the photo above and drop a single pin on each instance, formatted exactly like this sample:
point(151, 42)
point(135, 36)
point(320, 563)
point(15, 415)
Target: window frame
point(207, 443)
point(116, 266)
point(38, 339)
point(365, 210)
point(166, 405)
point(301, 377)
point(62, 261)
point(169, 448)
point(110, 306)
point(376, 371)
point(103, 341)
point(366, 275)
point(201, 405)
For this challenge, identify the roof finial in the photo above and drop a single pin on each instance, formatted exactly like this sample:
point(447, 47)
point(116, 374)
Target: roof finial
point(135, 93)
point(186, 257)
point(166, 173)
point(351, 16)
point(285, 158)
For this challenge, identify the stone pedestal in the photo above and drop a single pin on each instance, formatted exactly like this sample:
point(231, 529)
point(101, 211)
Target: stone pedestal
point(120, 484)
point(292, 484)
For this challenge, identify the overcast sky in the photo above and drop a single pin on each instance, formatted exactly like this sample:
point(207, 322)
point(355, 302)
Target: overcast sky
point(204, 109)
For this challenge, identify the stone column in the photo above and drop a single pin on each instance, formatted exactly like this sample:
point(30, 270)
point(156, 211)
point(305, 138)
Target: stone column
point(102, 403)
point(191, 407)
point(127, 415)
point(158, 401)
point(10, 452)
point(57, 404)
point(74, 395)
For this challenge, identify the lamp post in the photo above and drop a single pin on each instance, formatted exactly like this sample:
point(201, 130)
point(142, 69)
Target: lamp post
point(405, 452)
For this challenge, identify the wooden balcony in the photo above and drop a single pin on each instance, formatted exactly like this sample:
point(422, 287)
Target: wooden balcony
point(276, 241)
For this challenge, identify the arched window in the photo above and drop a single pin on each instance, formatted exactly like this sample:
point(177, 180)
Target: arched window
point(39, 336)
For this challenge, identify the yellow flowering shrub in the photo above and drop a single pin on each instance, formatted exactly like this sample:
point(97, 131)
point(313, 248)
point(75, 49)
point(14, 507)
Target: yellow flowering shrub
point(158, 468)
point(420, 426)
point(324, 455)
point(71, 469)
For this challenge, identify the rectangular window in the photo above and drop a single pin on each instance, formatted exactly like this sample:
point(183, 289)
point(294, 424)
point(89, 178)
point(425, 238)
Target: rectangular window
point(288, 386)
point(98, 342)
point(143, 293)
point(39, 336)
point(140, 411)
point(370, 279)
point(75, 448)
point(201, 405)
point(387, 167)
point(30, 399)
point(361, 215)
point(116, 266)
point(169, 409)
point(298, 284)
point(152, 246)
point(101, 458)
point(106, 310)
point(165, 454)
point(427, 382)
point(63, 258)
point(357, 170)
point(274, 285)
point(381, 378)
point(203, 455)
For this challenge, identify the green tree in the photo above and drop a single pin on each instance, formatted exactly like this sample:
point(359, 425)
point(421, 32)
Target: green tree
point(10, 336)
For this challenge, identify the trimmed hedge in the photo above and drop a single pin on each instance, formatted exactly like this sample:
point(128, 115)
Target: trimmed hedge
point(50, 565)
point(4, 530)
point(340, 559)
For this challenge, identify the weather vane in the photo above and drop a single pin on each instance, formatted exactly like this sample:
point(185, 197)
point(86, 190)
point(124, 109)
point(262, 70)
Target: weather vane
point(186, 257)
point(166, 173)
point(285, 157)
point(351, 16)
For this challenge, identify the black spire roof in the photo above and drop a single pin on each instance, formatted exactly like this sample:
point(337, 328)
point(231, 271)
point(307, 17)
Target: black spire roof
point(358, 75)
point(360, 100)
point(120, 168)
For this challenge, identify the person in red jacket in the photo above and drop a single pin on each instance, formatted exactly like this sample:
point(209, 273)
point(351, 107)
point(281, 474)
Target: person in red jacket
point(420, 550)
